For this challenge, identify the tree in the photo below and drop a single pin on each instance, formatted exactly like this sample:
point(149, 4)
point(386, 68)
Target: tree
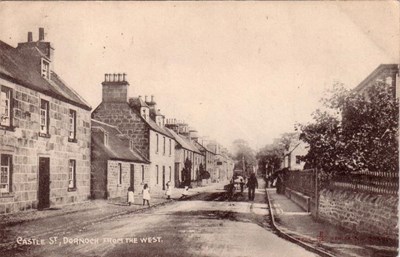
point(243, 153)
point(357, 131)
point(271, 156)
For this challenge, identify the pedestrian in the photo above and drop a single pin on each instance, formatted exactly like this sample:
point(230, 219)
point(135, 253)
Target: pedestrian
point(146, 194)
point(252, 184)
point(131, 197)
point(168, 192)
point(185, 192)
point(241, 185)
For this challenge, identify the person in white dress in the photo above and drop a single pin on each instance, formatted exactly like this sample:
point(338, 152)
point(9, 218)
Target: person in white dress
point(168, 192)
point(131, 197)
point(146, 194)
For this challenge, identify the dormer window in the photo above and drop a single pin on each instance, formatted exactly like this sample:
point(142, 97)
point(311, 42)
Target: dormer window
point(5, 106)
point(44, 117)
point(145, 113)
point(105, 138)
point(45, 69)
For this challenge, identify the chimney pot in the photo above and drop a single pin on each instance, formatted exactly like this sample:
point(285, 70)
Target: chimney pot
point(105, 77)
point(30, 38)
point(119, 76)
point(123, 76)
point(41, 34)
point(114, 77)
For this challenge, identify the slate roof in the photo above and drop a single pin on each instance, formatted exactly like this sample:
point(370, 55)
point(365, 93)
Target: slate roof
point(118, 148)
point(184, 142)
point(20, 65)
point(372, 76)
point(203, 147)
point(133, 103)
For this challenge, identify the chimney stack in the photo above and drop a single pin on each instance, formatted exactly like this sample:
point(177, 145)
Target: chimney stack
point(115, 88)
point(30, 38)
point(41, 34)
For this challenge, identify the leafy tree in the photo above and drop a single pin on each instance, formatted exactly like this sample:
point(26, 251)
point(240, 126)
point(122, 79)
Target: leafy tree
point(357, 131)
point(242, 151)
point(271, 156)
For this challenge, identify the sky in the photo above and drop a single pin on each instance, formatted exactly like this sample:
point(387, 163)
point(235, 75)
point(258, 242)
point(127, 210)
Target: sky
point(248, 70)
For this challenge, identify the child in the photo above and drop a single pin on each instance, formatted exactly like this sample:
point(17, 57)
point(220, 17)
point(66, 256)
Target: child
point(168, 192)
point(146, 194)
point(185, 192)
point(131, 197)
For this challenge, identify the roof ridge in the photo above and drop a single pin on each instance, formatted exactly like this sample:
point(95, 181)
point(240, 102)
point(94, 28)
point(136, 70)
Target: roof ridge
point(106, 124)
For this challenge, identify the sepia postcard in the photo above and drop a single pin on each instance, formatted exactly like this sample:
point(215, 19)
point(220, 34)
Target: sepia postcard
point(199, 128)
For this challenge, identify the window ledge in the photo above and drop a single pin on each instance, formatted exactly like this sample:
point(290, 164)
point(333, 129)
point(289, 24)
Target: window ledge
point(6, 195)
point(72, 140)
point(44, 135)
point(7, 128)
point(72, 189)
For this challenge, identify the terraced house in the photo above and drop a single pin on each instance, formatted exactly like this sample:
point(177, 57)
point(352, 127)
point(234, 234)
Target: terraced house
point(44, 131)
point(116, 164)
point(143, 123)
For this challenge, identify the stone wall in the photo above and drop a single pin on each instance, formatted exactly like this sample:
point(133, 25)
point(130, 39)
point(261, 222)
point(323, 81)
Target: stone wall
point(116, 190)
point(371, 214)
point(121, 115)
point(25, 146)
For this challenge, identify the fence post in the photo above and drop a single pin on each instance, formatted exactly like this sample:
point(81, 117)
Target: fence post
point(316, 194)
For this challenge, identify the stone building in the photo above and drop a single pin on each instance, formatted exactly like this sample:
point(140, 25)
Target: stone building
point(44, 131)
point(186, 160)
point(116, 164)
point(292, 155)
point(386, 73)
point(143, 123)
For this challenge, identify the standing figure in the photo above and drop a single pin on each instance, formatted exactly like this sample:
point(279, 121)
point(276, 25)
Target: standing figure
point(168, 192)
point(252, 184)
point(131, 197)
point(146, 194)
point(185, 192)
point(241, 185)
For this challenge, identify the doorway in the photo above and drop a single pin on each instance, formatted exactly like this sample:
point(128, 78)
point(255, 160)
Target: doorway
point(132, 181)
point(44, 183)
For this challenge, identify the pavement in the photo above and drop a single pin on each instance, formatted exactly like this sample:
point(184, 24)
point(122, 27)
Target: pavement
point(206, 224)
point(99, 206)
point(292, 220)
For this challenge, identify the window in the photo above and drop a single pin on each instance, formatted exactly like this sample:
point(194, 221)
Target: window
point(157, 143)
point(105, 138)
point(5, 106)
point(157, 173)
point(170, 146)
point(170, 173)
point(72, 125)
point(45, 69)
point(119, 173)
point(71, 174)
point(5, 173)
point(163, 145)
point(44, 117)
point(298, 159)
point(142, 173)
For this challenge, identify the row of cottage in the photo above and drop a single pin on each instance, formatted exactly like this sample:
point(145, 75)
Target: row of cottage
point(55, 150)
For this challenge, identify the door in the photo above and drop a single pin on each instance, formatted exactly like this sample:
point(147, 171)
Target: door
point(163, 178)
point(44, 183)
point(132, 181)
point(177, 174)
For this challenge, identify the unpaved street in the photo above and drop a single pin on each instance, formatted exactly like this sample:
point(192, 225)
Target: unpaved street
point(205, 225)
